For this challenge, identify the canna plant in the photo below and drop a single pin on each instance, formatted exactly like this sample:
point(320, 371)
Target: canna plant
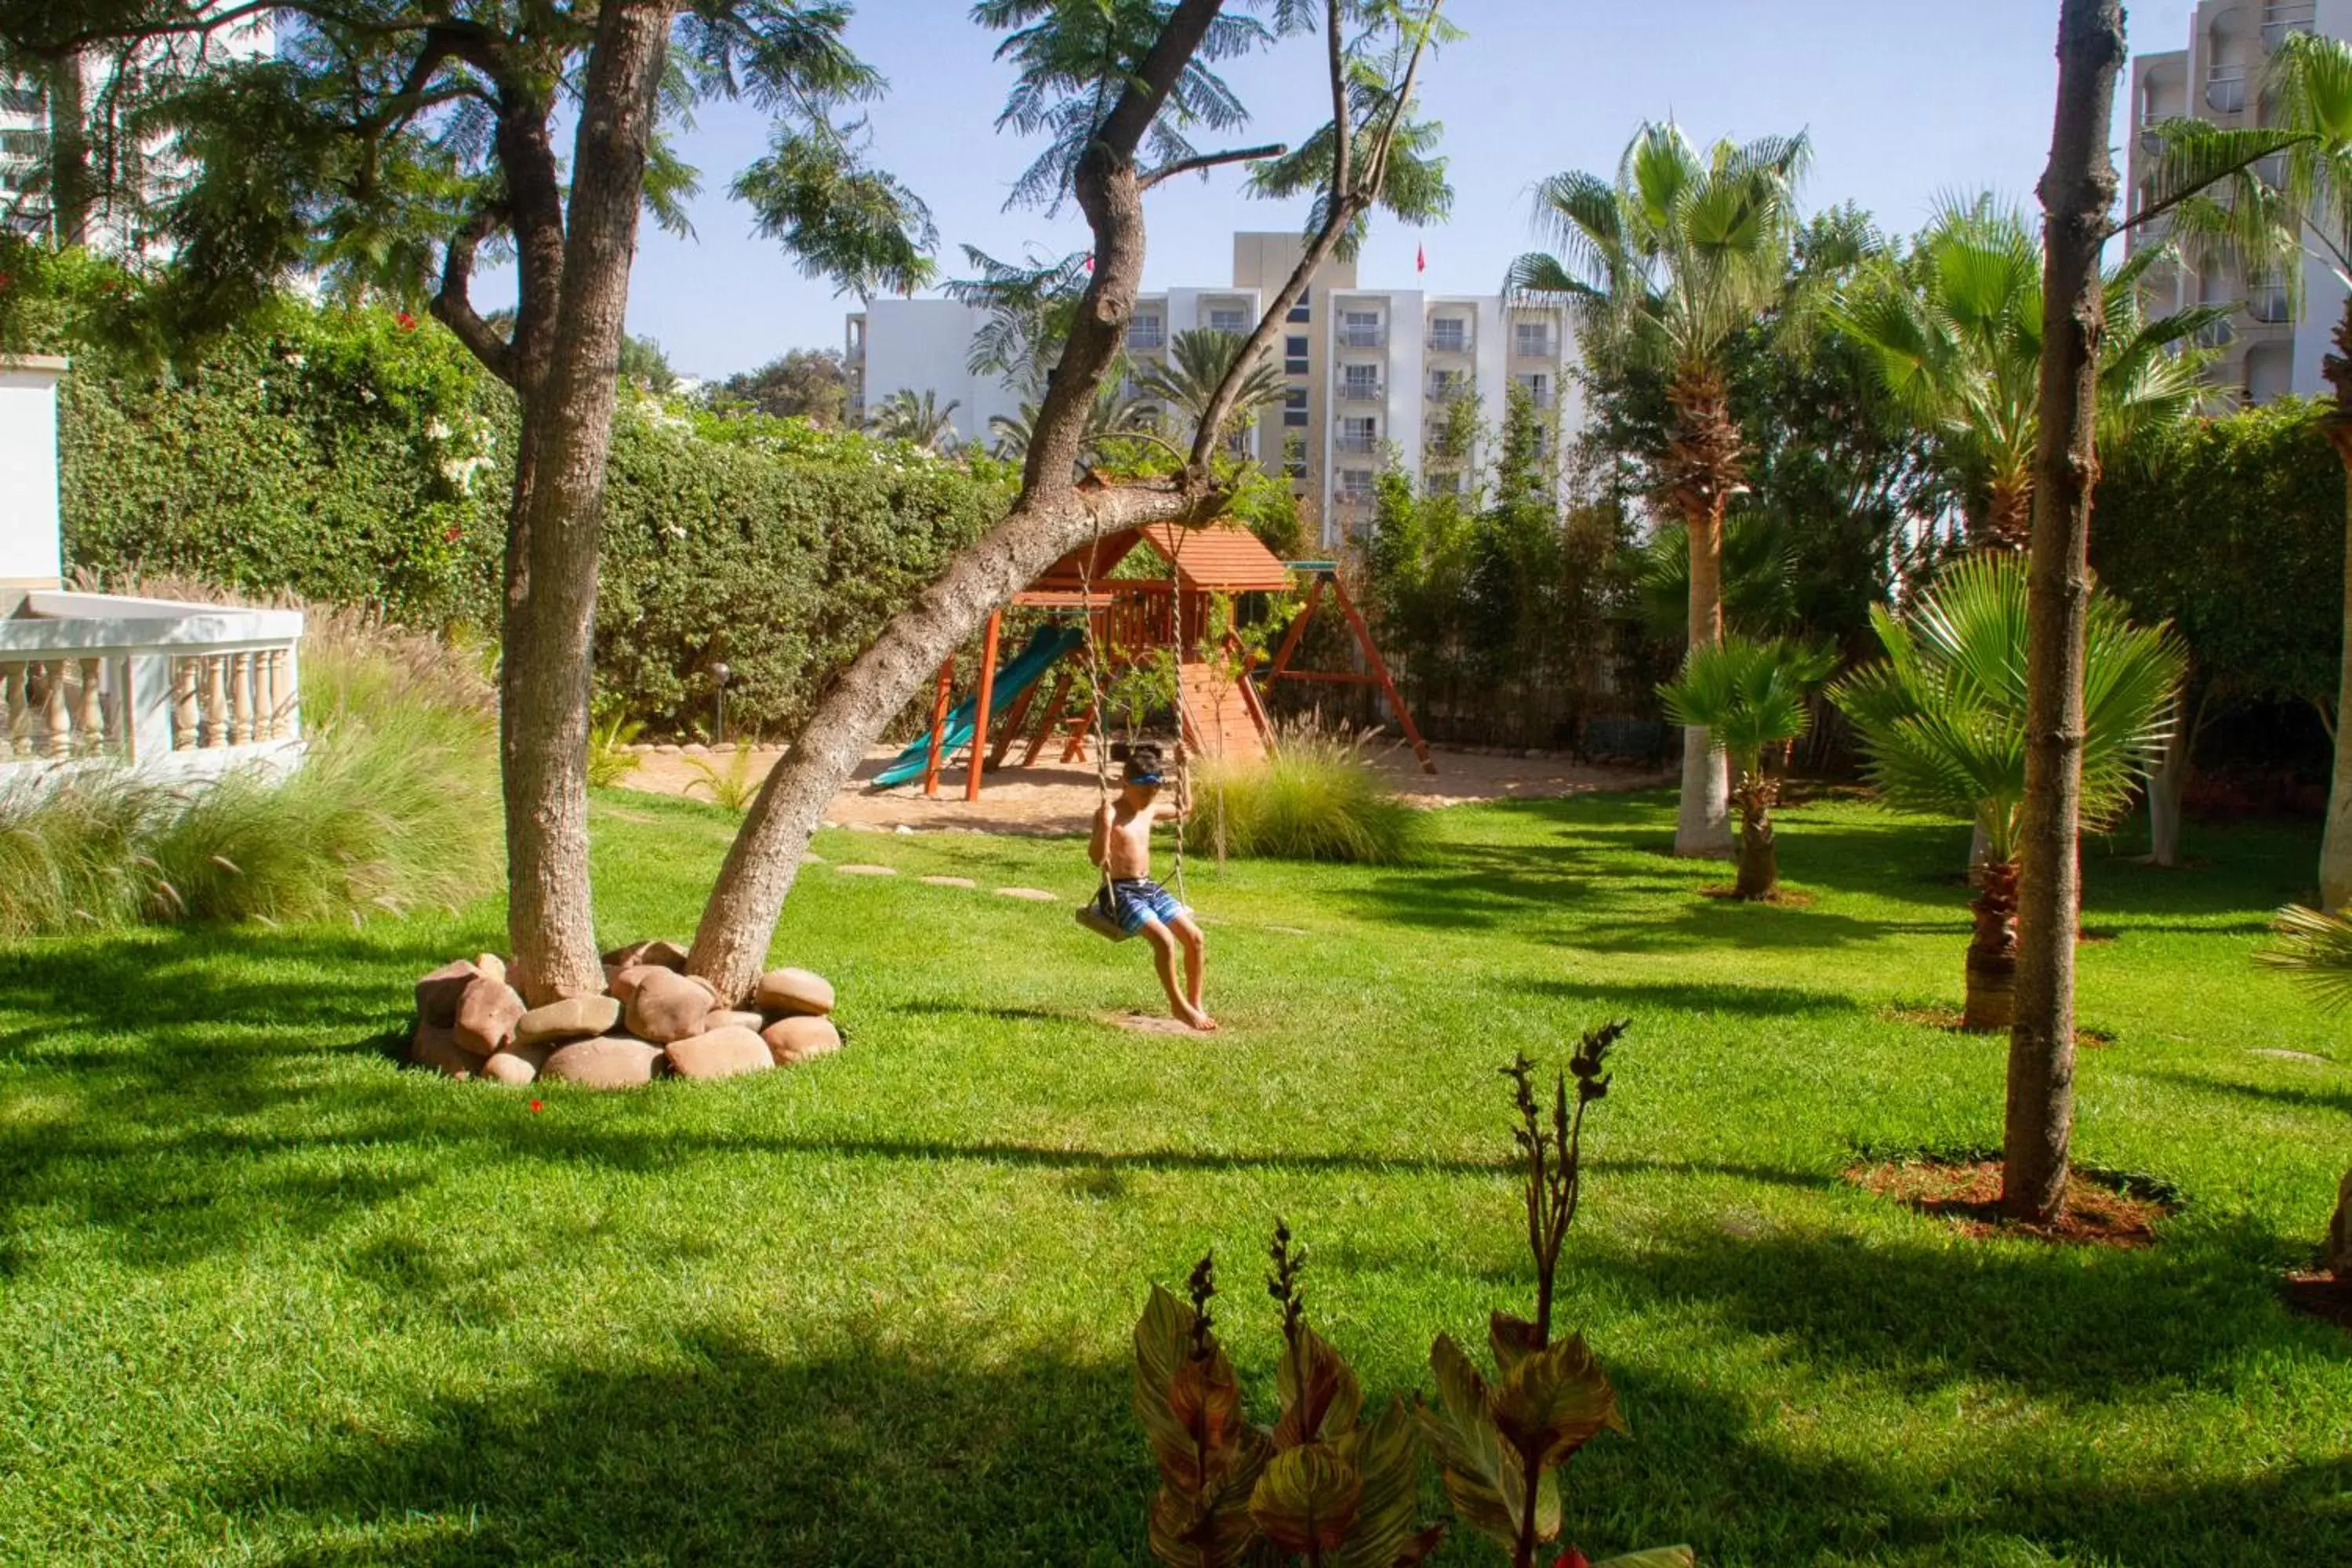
point(1942, 724)
point(1750, 697)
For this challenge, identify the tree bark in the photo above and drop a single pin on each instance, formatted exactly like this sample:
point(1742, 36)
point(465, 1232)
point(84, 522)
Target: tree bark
point(1704, 472)
point(71, 196)
point(560, 495)
point(1759, 861)
point(1990, 1004)
point(2167, 782)
point(2078, 192)
point(2008, 516)
point(2335, 845)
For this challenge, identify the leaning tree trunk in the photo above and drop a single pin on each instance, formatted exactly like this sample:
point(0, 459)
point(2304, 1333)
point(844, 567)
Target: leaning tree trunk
point(2078, 193)
point(2336, 846)
point(1991, 998)
point(1702, 467)
point(551, 612)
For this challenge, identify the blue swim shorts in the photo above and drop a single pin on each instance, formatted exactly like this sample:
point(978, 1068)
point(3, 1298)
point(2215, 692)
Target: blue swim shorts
point(1135, 902)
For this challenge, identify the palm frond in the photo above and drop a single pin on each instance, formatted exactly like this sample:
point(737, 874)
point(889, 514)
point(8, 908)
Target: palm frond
point(2316, 949)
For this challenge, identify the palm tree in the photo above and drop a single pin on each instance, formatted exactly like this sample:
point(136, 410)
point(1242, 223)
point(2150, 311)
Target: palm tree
point(1197, 363)
point(905, 416)
point(2316, 949)
point(1750, 698)
point(1112, 413)
point(1954, 331)
point(1665, 266)
point(1942, 722)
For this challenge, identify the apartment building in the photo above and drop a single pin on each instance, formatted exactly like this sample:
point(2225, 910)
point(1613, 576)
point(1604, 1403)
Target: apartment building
point(24, 110)
point(2268, 349)
point(1371, 373)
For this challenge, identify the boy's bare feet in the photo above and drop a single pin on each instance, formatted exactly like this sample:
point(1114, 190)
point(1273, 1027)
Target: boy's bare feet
point(1196, 1018)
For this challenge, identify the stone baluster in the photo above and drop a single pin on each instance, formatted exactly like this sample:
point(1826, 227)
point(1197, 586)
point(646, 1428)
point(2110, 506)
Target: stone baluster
point(54, 713)
point(240, 699)
point(215, 725)
point(89, 724)
point(16, 739)
point(183, 704)
point(275, 663)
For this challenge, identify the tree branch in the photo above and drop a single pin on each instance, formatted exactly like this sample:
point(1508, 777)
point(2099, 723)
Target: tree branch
point(1209, 161)
point(1343, 124)
point(452, 306)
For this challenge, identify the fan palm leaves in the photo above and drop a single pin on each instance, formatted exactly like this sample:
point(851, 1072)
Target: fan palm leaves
point(1750, 698)
point(1954, 331)
point(1942, 726)
point(1663, 266)
point(1198, 362)
point(919, 418)
point(1112, 413)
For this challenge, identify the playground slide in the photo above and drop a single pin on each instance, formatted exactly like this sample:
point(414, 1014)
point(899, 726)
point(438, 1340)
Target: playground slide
point(1020, 673)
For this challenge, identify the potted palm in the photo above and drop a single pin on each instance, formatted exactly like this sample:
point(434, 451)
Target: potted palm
point(1750, 698)
point(1942, 726)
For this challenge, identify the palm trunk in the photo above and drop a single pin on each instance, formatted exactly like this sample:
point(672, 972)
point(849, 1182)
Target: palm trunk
point(2335, 846)
point(1759, 863)
point(1702, 467)
point(2340, 1233)
point(2078, 193)
point(70, 185)
point(2008, 519)
point(552, 599)
point(2167, 782)
point(1991, 1000)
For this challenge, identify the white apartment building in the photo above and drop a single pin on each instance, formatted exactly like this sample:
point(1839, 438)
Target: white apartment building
point(1371, 374)
point(2267, 349)
point(25, 125)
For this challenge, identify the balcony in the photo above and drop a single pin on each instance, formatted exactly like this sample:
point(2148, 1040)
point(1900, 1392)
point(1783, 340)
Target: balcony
point(178, 690)
point(1364, 337)
point(2281, 17)
point(1538, 397)
point(1363, 441)
point(1535, 345)
point(2268, 303)
point(1457, 342)
point(1448, 388)
point(2219, 335)
point(2225, 89)
point(1359, 390)
point(1147, 336)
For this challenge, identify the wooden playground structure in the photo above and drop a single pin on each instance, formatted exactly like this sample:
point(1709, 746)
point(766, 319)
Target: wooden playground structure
point(1220, 707)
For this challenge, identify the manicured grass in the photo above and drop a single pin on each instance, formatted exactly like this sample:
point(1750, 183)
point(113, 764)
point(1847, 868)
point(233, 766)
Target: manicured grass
point(266, 1297)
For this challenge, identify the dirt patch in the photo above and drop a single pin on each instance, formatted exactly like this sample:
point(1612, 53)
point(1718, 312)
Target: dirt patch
point(1153, 1024)
point(1967, 1194)
point(1949, 1019)
point(2321, 1295)
point(1780, 898)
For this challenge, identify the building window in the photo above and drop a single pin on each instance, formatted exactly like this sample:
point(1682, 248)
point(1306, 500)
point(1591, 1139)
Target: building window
point(1359, 435)
point(20, 100)
point(1444, 482)
point(1223, 319)
point(1449, 335)
point(1147, 332)
point(1356, 484)
point(1532, 339)
point(1359, 380)
point(1293, 356)
point(1447, 386)
point(1360, 330)
point(1537, 388)
point(1299, 311)
point(1294, 407)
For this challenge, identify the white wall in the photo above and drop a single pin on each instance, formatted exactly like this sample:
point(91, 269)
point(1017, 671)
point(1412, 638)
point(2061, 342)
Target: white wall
point(922, 344)
point(31, 549)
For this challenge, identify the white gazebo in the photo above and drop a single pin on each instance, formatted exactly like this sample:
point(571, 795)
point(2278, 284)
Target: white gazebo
point(176, 689)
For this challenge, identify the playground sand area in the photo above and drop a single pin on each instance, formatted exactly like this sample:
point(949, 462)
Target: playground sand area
point(1059, 797)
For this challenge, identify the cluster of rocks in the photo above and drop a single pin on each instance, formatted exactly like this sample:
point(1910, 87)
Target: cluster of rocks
point(652, 1018)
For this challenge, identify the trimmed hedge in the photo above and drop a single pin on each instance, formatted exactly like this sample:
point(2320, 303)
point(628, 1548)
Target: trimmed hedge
point(361, 458)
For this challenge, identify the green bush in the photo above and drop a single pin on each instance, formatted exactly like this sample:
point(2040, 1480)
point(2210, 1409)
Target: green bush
point(1315, 799)
point(392, 807)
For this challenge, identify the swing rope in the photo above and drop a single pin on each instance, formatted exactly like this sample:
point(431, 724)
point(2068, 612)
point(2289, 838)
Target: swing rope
point(1183, 752)
point(1096, 725)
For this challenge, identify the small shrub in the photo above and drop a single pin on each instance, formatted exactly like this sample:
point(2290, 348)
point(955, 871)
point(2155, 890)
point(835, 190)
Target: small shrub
point(609, 758)
point(733, 789)
point(1317, 797)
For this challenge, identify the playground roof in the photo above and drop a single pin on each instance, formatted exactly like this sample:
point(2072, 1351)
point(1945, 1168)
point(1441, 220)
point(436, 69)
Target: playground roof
point(1221, 558)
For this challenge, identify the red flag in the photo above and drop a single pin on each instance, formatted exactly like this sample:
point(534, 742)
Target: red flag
point(1420, 259)
point(1090, 261)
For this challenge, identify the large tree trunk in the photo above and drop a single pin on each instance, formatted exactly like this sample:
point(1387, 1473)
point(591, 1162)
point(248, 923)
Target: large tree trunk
point(2078, 193)
point(71, 192)
point(2335, 846)
point(1991, 996)
point(1704, 471)
point(550, 608)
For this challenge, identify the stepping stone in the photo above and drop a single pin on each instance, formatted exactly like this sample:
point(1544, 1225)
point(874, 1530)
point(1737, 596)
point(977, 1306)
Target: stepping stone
point(948, 882)
point(2289, 1055)
point(1034, 895)
point(867, 870)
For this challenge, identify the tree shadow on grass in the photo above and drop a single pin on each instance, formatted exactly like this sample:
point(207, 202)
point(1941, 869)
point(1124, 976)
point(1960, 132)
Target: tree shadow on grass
point(1690, 997)
point(2334, 1097)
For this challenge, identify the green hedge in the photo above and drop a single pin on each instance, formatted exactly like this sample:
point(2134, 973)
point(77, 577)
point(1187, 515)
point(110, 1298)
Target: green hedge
point(357, 456)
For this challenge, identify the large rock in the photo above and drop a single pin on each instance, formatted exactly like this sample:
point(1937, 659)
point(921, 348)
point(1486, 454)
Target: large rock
point(794, 990)
point(667, 1006)
point(435, 1046)
point(801, 1039)
point(491, 964)
point(730, 1017)
point(721, 1053)
point(487, 1015)
point(660, 954)
point(624, 981)
point(2340, 1233)
point(518, 1064)
point(437, 992)
point(614, 1061)
point(575, 1018)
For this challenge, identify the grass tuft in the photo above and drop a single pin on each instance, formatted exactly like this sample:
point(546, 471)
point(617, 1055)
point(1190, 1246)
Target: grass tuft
point(1317, 797)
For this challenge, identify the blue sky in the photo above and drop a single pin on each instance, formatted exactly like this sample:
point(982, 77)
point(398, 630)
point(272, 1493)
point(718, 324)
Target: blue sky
point(1905, 98)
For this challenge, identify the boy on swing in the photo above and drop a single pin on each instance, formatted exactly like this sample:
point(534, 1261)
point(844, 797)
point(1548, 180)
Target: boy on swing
point(1121, 845)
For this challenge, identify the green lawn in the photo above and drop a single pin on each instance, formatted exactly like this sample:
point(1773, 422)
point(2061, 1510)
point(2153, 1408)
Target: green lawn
point(266, 1297)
